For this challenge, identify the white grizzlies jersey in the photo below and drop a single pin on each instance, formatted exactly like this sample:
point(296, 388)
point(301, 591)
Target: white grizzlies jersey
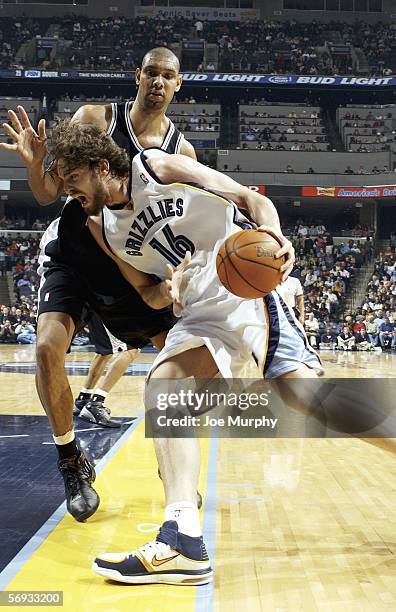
point(166, 222)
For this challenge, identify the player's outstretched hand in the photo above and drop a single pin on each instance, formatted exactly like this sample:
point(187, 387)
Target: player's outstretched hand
point(286, 249)
point(31, 146)
point(173, 283)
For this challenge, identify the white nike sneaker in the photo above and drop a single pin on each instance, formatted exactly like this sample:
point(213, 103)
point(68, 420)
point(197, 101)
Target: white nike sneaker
point(173, 558)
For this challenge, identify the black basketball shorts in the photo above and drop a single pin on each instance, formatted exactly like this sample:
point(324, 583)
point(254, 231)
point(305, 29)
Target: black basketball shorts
point(130, 321)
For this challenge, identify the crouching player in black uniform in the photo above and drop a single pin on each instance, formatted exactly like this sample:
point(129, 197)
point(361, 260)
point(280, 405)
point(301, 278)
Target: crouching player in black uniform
point(76, 275)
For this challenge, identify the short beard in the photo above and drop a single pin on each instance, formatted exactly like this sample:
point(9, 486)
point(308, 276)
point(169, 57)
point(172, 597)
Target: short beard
point(100, 198)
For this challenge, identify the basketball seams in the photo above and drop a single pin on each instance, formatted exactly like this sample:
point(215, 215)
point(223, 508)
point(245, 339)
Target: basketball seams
point(240, 273)
point(241, 277)
point(243, 233)
point(222, 274)
point(257, 263)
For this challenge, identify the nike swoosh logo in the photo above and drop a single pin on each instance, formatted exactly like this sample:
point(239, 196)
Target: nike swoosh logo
point(156, 562)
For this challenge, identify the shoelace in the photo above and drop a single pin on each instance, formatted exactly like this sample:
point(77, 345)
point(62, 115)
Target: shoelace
point(85, 468)
point(152, 548)
point(100, 408)
point(104, 412)
point(71, 480)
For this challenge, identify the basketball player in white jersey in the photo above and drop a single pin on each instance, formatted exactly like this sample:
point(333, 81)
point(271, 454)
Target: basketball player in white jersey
point(155, 225)
point(153, 219)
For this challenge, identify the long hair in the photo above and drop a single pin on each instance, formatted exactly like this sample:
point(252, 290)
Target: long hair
point(85, 145)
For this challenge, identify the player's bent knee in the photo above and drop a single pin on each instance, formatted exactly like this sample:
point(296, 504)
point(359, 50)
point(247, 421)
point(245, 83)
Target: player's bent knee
point(48, 353)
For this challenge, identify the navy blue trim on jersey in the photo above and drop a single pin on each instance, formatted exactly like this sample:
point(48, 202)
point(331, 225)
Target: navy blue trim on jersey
point(291, 320)
point(147, 167)
point(274, 330)
point(212, 191)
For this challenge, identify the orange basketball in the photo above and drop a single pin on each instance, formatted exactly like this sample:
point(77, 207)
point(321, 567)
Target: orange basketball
point(246, 264)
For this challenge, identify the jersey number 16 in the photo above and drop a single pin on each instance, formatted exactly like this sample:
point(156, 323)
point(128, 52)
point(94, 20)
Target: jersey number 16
point(179, 246)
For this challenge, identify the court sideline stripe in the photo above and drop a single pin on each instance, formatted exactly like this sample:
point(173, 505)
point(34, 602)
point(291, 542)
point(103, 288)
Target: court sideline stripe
point(204, 594)
point(16, 564)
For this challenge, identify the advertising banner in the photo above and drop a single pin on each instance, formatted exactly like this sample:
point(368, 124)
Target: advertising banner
point(198, 12)
point(378, 191)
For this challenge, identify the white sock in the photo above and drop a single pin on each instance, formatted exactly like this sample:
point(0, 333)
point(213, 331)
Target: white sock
point(101, 393)
point(186, 516)
point(85, 390)
point(65, 439)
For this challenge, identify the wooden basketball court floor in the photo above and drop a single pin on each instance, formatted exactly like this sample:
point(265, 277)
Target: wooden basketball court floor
point(290, 524)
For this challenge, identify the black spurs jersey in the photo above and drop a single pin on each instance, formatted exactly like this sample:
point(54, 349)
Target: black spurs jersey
point(68, 242)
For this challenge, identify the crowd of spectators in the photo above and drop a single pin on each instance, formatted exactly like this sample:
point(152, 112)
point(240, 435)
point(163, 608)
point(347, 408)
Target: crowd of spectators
point(14, 32)
point(21, 222)
point(378, 42)
point(278, 47)
point(325, 271)
point(370, 327)
point(19, 256)
point(378, 310)
point(367, 132)
point(194, 121)
point(280, 130)
point(115, 43)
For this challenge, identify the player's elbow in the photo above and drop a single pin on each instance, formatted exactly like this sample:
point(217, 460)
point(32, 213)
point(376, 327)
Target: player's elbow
point(46, 200)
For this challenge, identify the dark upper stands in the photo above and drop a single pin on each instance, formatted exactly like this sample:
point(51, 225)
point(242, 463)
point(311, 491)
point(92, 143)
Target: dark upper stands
point(252, 46)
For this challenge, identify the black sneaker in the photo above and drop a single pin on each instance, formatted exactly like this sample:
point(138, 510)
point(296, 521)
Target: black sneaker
point(199, 496)
point(96, 412)
point(78, 475)
point(79, 405)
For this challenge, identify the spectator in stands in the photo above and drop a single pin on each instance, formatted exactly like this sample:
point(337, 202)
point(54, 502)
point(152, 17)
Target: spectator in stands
point(310, 170)
point(289, 169)
point(346, 340)
point(359, 325)
point(7, 333)
point(25, 333)
point(387, 334)
point(198, 28)
point(328, 339)
point(311, 277)
point(362, 341)
point(312, 329)
point(379, 319)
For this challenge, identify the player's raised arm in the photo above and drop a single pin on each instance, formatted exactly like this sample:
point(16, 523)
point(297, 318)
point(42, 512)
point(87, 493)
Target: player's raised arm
point(174, 168)
point(31, 146)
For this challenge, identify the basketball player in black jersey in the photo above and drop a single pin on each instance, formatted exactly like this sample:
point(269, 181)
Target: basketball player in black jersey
point(76, 274)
